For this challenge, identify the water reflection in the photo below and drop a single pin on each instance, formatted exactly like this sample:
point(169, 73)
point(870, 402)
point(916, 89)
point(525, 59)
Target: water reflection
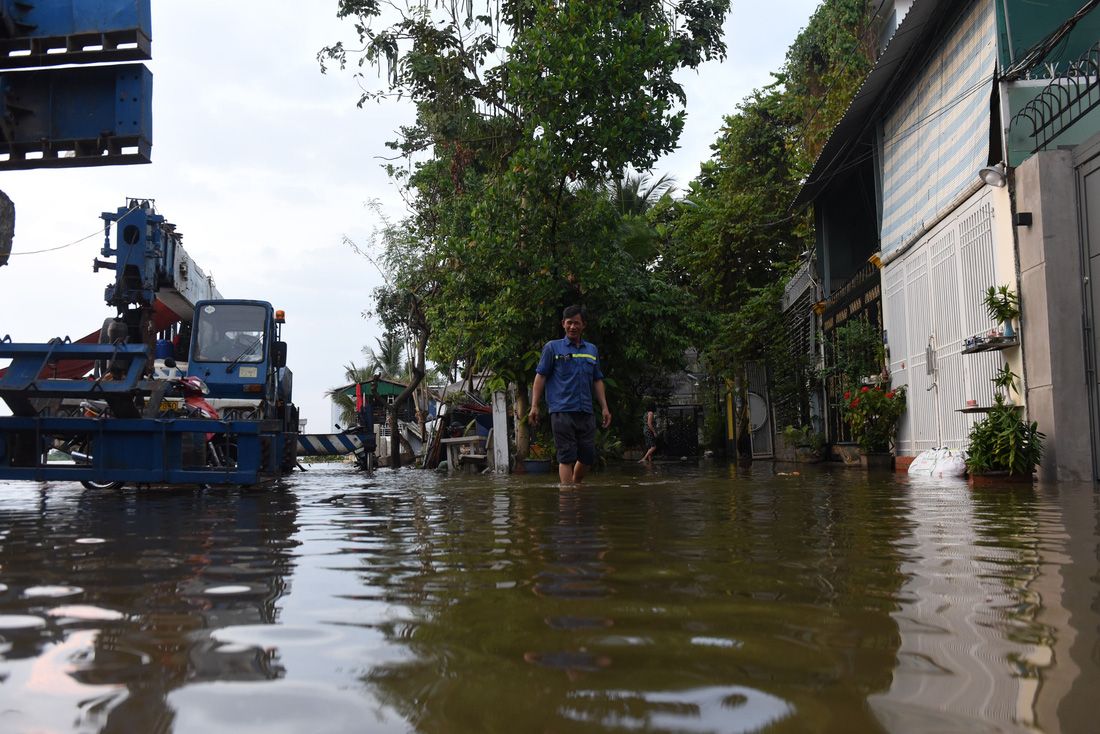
point(692, 599)
point(126, 585)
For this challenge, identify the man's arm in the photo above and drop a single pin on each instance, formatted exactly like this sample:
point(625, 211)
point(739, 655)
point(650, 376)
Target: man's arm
point(601, 398)
point(536, 396)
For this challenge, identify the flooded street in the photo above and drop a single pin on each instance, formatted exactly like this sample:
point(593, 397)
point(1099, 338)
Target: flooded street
point(696, 597)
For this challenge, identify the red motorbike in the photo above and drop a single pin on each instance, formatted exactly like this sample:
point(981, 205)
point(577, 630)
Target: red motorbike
point(194, 391)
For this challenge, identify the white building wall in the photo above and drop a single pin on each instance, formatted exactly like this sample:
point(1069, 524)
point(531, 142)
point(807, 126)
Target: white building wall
point(933, 302)
point(945, 239)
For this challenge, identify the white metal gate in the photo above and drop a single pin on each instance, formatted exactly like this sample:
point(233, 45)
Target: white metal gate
point(933, 301)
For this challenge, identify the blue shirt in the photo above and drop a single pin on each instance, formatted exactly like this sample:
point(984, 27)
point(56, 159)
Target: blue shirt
point(570, 372)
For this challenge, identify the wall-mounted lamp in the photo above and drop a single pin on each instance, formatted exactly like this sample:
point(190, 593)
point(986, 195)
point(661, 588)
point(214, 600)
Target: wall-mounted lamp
point(994, 175)
point(1022, 219)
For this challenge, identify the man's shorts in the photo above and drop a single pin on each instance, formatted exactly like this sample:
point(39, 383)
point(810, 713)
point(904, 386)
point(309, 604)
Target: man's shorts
point(574, 437)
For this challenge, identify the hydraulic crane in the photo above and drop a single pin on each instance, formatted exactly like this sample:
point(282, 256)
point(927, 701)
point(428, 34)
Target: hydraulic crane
point(211, 406)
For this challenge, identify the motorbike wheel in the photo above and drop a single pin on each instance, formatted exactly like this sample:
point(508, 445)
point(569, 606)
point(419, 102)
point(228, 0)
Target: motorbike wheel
point(88, 484)
point(222, 454)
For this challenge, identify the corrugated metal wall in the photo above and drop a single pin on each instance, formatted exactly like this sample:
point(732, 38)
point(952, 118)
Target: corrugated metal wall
point(936, 139)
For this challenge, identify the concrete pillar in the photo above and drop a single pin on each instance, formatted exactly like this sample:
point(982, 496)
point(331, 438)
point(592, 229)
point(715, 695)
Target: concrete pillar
point(1051, 308)
point(500, 433)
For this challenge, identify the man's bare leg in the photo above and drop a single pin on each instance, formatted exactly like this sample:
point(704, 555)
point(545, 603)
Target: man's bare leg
point(565, 475)
point(579, 472)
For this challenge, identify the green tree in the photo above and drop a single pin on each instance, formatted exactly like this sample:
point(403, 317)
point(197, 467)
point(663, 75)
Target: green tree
point(733, 236)
point(826, 66)
point(525, 111)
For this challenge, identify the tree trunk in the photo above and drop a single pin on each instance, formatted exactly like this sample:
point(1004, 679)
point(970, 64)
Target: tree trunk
point(417, 375)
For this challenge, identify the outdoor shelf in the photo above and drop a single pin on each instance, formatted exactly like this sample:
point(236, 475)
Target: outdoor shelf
point(992, 345)
point(974, 409)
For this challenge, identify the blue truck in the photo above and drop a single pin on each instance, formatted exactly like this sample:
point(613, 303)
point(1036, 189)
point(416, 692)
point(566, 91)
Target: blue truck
point(173, 390)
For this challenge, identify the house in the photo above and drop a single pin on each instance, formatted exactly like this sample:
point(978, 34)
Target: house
point(965, 161)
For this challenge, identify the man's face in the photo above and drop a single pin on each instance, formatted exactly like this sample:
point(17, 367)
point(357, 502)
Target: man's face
point(573, 326)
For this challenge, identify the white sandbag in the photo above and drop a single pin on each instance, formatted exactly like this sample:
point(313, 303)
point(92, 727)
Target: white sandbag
point(939, 463)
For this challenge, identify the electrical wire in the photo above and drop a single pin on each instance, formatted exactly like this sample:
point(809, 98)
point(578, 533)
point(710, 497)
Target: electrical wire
point(74, 242)
point(1035, 55)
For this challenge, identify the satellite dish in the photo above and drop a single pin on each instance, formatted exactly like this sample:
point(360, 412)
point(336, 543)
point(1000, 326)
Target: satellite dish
point(758, 412)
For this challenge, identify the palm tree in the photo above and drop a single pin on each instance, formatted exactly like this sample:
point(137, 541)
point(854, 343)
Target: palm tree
point(354, 376)
point(634, 195)
point(389, 360)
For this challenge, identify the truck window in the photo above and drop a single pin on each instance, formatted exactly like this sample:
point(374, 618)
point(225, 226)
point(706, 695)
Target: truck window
point(229, 332)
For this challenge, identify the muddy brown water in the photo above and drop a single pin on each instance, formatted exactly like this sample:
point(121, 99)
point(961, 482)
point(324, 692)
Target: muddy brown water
point(693, 597)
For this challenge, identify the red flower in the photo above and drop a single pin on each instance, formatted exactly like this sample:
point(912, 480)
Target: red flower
point(865, 389)
point(847, 396)
point(855, 402)
point(890, 394)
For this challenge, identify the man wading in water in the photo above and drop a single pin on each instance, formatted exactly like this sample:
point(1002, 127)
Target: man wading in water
point(569, 373)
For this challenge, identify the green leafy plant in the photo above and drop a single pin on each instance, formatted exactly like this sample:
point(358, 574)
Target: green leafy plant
point(1002, 441)
point(856, 352)
point(608, 446)
point(873, 413)
point(1005, 379)
point(804, 436)
point(1002, 304)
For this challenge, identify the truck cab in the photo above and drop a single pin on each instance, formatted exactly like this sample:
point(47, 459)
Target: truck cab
point(235, 349)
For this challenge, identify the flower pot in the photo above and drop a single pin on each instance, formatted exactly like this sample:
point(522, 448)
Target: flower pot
point(536, 466)
point(877, 460)
point(849, 455)
point(999, 477)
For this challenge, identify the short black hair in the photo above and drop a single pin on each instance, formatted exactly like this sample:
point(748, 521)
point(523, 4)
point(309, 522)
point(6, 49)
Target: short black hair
point(574, 310)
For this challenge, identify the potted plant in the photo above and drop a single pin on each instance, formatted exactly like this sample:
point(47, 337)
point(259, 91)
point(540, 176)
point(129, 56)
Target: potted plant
point(1003, 447)
point(873, 414)
point(806, 442)
point(1003, 306)
point(1004, 382)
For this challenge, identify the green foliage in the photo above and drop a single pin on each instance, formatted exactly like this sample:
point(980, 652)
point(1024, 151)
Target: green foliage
point(388, 360)
point(1002, 441)
point(1002, 304)
point(825, 67)
point(608, 447)
point(529, 117)
point(873, 413)
point(856, 351)
point(526, 112)
point(1005, 379)
point(804, 436)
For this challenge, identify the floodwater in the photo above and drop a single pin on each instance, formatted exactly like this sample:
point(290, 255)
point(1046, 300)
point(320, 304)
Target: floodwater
point(694, 597)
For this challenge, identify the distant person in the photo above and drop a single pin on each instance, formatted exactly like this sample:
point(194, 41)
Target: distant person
point(649, 430)
point(569, 374)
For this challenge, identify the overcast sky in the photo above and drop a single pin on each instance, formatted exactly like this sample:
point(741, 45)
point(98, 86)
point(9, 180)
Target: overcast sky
point(264, 164)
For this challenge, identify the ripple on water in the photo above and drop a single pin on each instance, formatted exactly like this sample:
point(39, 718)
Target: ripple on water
point(707, 710)
point(15, 622)
point(51, 592)
point(228, 590)
point(85, 612)
point(276, 707)
point(269, 635)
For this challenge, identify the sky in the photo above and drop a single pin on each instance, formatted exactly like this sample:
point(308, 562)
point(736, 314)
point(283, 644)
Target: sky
point(266, 166)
